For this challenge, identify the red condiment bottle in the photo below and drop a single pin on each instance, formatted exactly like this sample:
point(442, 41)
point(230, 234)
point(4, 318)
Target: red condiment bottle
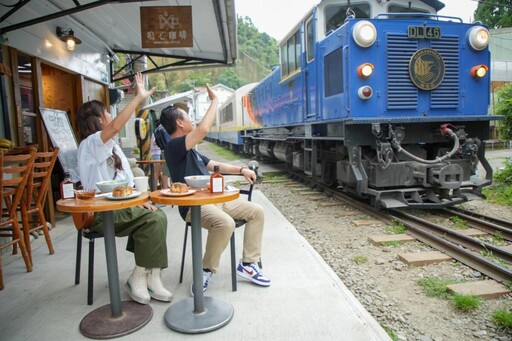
point(216, 181)
point(67, 187)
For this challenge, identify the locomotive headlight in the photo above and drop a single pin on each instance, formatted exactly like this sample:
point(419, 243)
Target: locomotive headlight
point(365, 92)
point(479, 71)
point(479, 38)
point(365, 70)
point(364, 33)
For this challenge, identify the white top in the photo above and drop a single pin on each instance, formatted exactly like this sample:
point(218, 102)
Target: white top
point(94, 164)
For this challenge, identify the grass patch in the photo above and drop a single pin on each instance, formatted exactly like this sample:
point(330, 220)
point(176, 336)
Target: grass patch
point(458, 223)
point(272, 176)
point(396, 227)
point(490, 256)
point(502, 318)
point(498, 237)
point(466, 303)
point(499, 194)
point(392, 243)
point(390, 333)
point(359, 259)
point(225, 153)
point(436, 287)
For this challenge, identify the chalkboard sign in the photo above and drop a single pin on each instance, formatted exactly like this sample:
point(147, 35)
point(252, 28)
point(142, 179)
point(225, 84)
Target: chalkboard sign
point(62, 136)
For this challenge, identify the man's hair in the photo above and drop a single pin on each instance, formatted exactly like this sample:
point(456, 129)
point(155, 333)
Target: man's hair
point(168, 118)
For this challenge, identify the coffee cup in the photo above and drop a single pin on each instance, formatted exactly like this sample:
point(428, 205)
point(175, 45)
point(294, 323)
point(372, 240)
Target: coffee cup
point(141, 183)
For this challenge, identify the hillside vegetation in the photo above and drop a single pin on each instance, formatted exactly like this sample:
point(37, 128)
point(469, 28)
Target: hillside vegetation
point(257, 54)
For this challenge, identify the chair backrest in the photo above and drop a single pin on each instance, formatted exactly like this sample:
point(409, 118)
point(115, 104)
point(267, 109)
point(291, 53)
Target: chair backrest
point(16, 168)
point(39, 178)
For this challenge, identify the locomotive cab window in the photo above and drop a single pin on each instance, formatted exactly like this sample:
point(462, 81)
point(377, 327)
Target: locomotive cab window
point(335, 15)
point(403, 9)
point(310, 40)
point(290, 55)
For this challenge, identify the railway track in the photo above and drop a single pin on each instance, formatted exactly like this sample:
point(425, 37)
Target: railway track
point(465, 249)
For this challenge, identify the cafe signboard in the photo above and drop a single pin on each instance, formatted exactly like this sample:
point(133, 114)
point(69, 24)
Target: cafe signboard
point(166, 26)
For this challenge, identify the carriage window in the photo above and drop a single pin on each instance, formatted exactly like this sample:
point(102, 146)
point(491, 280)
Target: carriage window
point(310, 40)
point(335, 15)
point(290, 55)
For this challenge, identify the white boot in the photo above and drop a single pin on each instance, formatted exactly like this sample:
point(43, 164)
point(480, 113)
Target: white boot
point(156, 288)
point(137, 285)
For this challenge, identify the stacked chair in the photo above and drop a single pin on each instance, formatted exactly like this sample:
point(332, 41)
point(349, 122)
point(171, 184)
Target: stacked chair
point(14, 174)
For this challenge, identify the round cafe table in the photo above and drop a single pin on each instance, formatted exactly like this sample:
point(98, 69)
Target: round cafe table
point(198, 314)
point(117, 318)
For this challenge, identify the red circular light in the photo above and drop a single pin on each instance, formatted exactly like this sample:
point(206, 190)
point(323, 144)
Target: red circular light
point(367, 91)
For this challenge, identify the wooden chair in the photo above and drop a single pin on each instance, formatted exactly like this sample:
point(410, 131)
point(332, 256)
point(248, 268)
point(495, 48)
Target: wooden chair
point(34, 196)
point(83, 222)
point(238, 223)
point(15, 170)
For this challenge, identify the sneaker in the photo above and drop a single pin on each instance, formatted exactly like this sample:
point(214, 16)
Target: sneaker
point(252, 273)
point(207, 276)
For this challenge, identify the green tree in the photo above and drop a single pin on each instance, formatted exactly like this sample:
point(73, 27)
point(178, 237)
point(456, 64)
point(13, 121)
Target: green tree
point(504, 108)
point(495, 13)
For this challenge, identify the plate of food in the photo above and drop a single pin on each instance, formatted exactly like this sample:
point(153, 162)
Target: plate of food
point(122, 193)
point(177, 189)
point(168, 193)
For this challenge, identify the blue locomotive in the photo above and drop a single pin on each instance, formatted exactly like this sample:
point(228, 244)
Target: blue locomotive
point(386, 99)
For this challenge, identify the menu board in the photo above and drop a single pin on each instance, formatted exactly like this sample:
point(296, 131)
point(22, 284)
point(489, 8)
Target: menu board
point(62, 136)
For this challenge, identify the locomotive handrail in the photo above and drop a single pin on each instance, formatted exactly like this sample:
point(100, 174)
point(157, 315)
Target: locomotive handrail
point(417, 15)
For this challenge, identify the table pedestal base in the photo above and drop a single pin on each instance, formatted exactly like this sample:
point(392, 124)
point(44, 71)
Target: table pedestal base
point(99, 323)
point(181, 317)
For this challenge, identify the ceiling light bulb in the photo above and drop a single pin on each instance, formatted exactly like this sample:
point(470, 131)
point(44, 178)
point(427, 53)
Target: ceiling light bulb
point(71, 44)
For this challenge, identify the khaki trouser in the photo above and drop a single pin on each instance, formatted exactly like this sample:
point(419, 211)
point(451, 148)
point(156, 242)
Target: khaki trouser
point(218, 220)
point(146, 231)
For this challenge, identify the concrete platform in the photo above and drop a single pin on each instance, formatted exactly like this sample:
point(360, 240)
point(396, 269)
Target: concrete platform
point(305, 301)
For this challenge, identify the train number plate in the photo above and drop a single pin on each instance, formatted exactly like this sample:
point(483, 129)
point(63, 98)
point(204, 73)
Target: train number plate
point(424, 32)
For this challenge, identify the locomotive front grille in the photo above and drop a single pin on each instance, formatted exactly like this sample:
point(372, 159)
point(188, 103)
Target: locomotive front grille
point(446, 96)
point(402, 93)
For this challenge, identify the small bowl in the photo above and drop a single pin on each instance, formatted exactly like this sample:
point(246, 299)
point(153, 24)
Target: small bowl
point(108, 186)
point(198, 181)
point(85, 194)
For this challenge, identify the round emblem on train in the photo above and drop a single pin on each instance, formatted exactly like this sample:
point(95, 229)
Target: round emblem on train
point(426, 69)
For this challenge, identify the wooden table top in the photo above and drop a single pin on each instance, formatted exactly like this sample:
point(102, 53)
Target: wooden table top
point(150, 162)
point(99, 204)
point(200, 197)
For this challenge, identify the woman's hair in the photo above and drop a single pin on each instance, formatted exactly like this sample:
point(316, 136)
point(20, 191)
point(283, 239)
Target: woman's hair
point(88, 118)
point(168, 118)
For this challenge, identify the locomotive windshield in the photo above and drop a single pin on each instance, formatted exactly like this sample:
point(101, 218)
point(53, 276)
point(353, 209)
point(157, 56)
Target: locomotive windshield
point(403, 9)
point(335, 15)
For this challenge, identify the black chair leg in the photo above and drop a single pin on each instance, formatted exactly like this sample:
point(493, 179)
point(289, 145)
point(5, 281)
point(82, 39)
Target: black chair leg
point(233, 262)
point(183, 253)
point(78, 257)
point(91, 272)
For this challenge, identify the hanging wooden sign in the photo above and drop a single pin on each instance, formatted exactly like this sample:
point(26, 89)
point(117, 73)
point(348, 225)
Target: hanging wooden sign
point(166, 26)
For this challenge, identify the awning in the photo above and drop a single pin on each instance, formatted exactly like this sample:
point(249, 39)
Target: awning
point(114, 26)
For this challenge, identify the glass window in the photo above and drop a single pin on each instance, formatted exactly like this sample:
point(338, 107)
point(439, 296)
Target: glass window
point(403, 9)
point(297, 50)
point(310, 42)
point(335, 15)
point(284, 61)
point(291, 54)
point(27, 99)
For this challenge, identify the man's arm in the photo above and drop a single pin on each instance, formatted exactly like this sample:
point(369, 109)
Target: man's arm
point(226, 168)
point(202, 129)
